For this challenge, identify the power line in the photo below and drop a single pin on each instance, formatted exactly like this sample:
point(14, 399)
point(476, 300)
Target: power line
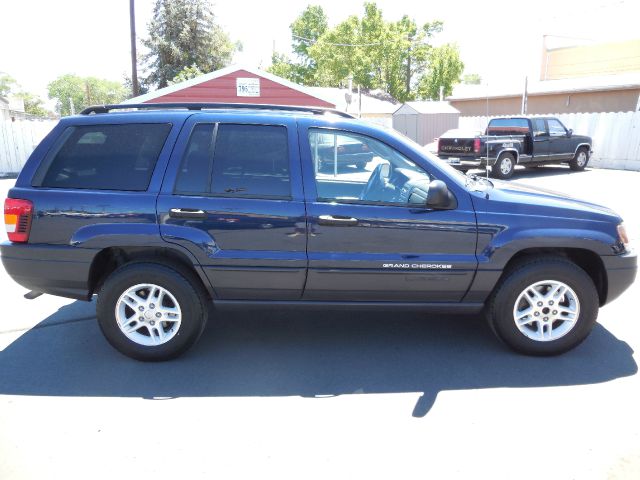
point(309, 40)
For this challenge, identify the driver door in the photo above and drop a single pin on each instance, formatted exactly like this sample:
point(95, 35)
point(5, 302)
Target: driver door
point(365, 241)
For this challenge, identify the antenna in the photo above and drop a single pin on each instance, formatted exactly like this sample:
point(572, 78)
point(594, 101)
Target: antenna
point(486, 142)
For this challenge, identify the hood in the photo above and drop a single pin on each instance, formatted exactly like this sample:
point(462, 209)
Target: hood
point(537, 201)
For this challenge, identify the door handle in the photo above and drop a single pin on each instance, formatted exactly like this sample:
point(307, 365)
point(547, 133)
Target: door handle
point(187, 213)
point(337, 221)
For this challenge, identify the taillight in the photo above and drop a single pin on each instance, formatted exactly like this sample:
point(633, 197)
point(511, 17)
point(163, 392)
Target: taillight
point(476, 145)
point(17, 219)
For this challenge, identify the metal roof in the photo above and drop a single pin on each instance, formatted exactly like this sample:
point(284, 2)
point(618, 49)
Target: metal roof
point(217, 74)
point(370, 103)
point(429, 107)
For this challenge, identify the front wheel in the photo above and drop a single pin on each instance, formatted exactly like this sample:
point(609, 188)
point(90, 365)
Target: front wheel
point(580, 160)
point(504, 166)
point(544, 307)
point(151, 312)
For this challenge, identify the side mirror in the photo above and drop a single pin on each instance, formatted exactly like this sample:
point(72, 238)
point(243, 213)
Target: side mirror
point(439, 196)
point(569, 133)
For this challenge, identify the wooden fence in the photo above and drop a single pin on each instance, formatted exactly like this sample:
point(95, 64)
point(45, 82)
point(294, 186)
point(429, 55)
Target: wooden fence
point(18, 139)
point(616, 136)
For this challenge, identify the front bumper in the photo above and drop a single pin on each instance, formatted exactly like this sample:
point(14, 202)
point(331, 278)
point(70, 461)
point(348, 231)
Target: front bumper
point(621, 273)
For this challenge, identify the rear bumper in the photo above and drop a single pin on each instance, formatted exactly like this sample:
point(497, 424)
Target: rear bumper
point(54, 269)
point(464, 164)
point(621, 273)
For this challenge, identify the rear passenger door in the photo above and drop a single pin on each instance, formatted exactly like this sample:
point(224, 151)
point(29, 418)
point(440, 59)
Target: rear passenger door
point(233, 197)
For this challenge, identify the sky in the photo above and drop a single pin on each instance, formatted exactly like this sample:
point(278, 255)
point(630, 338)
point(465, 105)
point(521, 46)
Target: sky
point(500, 40)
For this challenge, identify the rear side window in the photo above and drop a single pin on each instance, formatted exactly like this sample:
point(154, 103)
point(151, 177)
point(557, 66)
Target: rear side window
point(508, 126)
point(251, 160)
point(539, 128)
point(236, 160)
point(194, 175)
point(104, 157)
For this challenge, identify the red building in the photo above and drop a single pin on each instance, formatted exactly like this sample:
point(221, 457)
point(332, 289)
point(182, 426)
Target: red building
point(235, 84)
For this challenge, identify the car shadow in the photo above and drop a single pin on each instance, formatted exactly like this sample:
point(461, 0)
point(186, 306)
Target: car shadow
point(537, 172)
point(308, 354)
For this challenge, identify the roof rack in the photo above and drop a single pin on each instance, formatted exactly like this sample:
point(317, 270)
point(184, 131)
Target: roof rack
point(213, 106)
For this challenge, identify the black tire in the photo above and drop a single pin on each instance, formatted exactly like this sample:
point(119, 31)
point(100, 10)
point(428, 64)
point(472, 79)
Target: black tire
point(503, 303)
point(361, 165)
point(580, 159)
point(500, 170)
point(190, 296)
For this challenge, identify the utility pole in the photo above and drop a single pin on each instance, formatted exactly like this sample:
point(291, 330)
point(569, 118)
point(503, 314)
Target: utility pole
point(134, 58)
point(524, 97)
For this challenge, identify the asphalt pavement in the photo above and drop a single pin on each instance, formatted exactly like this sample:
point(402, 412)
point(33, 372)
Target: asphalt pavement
point(324, 394)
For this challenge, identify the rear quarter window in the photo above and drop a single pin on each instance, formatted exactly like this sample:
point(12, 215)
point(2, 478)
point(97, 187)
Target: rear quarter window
point(508, 126)
point(103, 157)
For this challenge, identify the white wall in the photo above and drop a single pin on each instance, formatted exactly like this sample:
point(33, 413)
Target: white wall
point(18, 139)
point(616, 136)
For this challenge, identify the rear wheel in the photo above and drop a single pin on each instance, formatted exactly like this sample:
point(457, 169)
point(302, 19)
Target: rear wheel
point(503, 168)
point(580, 160)
point(544, 307)
point(151, 312)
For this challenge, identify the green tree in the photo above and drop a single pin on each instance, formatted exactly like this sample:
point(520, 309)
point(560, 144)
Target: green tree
point(183, 33)
point(33, 104)
point(306, 29)
point(84, 91)
point(7, 82)
point(282, 66)
point(472, 79)
point(187, 73)
point(375, 53)
point(445, 68)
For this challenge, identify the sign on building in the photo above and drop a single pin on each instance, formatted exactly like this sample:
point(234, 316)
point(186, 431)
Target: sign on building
point(248, 87)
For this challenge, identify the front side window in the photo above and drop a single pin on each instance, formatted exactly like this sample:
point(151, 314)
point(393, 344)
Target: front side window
point(104, 157)
point(556, 129)
point(354, 168)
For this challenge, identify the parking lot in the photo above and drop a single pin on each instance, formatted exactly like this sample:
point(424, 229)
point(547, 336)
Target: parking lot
point(325, 394)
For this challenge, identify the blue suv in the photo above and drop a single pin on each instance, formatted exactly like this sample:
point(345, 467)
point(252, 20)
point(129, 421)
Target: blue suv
point(165, 211)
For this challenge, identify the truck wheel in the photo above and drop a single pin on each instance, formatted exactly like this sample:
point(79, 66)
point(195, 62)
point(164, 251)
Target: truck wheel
point(151, 312)
point(503, 168)
point(580, 160)
point(544, 307)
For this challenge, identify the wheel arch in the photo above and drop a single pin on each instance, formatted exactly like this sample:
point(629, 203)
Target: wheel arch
point(109, 259)
point(582, 145)
point(584, 258)
point(513, 151)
